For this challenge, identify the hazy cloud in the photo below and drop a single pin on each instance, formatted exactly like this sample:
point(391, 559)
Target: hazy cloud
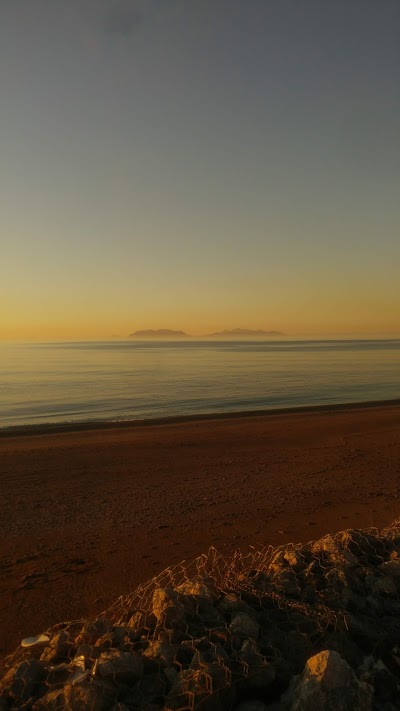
point(122, 20)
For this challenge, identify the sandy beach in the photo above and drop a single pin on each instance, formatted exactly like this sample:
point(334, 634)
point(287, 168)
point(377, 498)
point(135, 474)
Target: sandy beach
point(87, 514)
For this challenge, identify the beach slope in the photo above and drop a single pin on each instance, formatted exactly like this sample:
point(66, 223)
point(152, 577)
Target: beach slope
point(88, 514)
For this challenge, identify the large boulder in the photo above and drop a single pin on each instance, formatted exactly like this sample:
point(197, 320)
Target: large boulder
point(285, 582)
point(381, 586)
point(208, 688)
point(199, 587)
point(391, 567)
point(93, 695)
point(161, 649)
point(93, 630)
point(296, 557)
point(364, 545)
point(257, 674)
point(244, 626)
point(60, 647)
point(20, 683)
point(329, 549)
point(329, 683)
point(114, 665)
point(251, 705)
point(168, 607)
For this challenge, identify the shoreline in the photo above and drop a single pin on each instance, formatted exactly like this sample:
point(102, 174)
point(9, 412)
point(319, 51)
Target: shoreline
point(89, 425)
point(86, 515)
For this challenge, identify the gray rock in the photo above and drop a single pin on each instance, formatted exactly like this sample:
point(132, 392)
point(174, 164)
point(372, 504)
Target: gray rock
point(391, 534)
point(313, 573)
point(21, 682)
point(199, 587)
point(375, 605)
point(287, 696)
point(380, 665)
point(251, 705)
point(93, 630)
point(60, 647)
point(329, 683)
point(171, 675)
point(391, 567)
point(52, 701)
point(168, 607)
point(152, 686)
point(163, 598)
point(215, 654)
point(220, 654)
point(231, 604)
point(137, 621)
point(161, 649)
point(57, 676)
point(383, 682)
point(295, 558)
point(212, 676)
point(94, 695)
point(327, 544)
point(244, 626)
point(366, 627)
point(336, 578)
point(382, 586)
point(391, 607)
point(118, 634)
point(329, 547)
point(203, 648)
point(114, 665)
point(362, 544)
point(278, 561)
point(208, 688)
point(351, 601)
point(89, 651)
point(367, 664)
point(257, 673)
point(286, 581)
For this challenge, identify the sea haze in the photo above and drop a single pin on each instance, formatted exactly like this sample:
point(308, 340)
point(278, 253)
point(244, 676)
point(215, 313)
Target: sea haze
point(129, 380)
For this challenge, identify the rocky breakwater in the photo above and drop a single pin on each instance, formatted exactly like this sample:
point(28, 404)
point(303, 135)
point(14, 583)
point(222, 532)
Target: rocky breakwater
point(298, 628)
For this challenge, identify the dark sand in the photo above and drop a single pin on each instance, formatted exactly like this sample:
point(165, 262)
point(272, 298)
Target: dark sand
point(86, 515)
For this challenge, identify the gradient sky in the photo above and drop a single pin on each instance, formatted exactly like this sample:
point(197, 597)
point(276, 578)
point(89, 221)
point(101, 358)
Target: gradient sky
point(199, 165)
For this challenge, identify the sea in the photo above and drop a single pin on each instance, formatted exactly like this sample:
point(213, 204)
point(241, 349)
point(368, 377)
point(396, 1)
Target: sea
point(116, 381)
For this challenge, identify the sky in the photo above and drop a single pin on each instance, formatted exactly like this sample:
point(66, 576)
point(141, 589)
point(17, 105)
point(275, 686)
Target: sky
point(199, 165)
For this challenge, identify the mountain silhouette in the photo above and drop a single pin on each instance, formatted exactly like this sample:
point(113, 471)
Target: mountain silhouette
point(245, 332)
point(158, 333)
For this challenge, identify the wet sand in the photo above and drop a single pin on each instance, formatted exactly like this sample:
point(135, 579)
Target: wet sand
point(87, 514)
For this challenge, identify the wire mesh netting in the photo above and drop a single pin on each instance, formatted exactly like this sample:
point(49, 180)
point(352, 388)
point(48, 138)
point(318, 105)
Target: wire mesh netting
point(218, 632)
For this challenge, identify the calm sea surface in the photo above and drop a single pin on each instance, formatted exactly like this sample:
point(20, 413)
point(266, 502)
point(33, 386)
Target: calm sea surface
point(123, 380)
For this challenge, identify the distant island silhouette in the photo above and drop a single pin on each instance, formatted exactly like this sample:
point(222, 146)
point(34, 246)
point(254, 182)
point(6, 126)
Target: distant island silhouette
point(158, 333)
point(232, 333)
point(245, 332)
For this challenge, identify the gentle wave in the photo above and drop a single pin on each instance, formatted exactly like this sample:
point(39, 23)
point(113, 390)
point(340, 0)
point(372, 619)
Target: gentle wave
point(123, 380)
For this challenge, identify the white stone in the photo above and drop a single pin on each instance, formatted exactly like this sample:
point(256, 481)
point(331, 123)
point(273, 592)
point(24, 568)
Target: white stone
point(32, 641)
